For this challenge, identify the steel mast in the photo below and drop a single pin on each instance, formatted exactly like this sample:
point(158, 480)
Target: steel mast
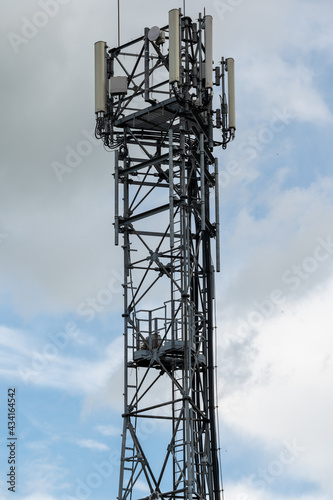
point(154, 107)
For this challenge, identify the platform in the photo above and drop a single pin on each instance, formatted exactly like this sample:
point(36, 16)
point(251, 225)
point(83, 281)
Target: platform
point(170, 353)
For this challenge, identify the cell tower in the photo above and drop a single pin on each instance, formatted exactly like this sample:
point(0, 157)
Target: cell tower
point(154, 107)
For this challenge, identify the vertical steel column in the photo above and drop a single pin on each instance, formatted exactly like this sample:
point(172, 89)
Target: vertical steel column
point(126, 248)
point(202, 182)
point(217, 215)
point(116, 198)
point(171, 194)
point(146, 65)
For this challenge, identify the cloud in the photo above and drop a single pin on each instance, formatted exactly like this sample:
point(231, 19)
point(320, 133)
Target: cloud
point(273, 27)
point(316, 18)
point(276, 66)
point(42, 255)
point(108, 430)
point(295, 90)
point(141, 486)
point(51, 363)
point(288, 381)
point(288, 248)
point(13, 339)
point(39, 495)
point(44, 476)
point(243, 490)
point(93, 445)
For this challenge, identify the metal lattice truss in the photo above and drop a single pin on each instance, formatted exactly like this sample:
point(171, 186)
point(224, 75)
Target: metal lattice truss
point(167, 260)
point(165, 176)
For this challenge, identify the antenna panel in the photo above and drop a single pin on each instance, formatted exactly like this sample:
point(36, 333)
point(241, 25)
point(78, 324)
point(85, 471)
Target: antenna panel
point(174, 46)
point(209, 52)
point(231, 93)
point(100, 77)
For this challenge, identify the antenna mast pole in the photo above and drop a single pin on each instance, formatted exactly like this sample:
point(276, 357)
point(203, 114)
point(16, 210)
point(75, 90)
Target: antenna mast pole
point(157, 113)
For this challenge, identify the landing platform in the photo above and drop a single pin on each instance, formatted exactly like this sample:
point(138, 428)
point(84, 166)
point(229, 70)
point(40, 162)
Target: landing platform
point(170, 353)
point(155, 117)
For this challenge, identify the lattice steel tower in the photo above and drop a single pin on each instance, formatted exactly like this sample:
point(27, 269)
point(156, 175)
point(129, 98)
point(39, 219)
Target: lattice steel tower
point(154, 107)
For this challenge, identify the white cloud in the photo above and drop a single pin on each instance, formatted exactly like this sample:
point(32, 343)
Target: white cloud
point(45, 474)
point(108, 430)
point(316, 18)
point(243, 490)
point(48, 364)
point(273, 26)
point(141, 486)
point(39, 495)
point(13, 339)
point(46, 266)
point(262, 252)
point(295, 90)
point(92, 444)
point(284, 397)
point(275, 65)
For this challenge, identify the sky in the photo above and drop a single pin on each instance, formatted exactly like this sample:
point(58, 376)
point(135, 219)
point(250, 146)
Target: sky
point(60, 288)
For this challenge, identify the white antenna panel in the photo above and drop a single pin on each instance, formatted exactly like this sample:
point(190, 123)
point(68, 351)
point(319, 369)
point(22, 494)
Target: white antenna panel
point(209, 52)
point(231, 92)
point(100, 77)
point(174, 46)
